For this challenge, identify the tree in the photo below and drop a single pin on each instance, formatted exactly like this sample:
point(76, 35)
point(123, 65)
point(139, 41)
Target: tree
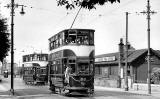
point(4, 39)
point(88, 4)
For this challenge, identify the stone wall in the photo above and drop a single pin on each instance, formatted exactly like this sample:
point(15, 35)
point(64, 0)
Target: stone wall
point(130, 83)
point(144, 87)
point(106, 82)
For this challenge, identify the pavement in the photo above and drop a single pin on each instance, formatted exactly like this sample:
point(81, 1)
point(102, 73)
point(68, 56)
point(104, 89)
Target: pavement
point(18, 94)
point(131, 91)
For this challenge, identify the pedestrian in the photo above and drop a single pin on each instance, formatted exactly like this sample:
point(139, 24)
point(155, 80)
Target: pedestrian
point(67, 73)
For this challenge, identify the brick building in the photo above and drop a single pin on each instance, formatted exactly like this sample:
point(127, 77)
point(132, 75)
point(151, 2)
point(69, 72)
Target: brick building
point(111, 66)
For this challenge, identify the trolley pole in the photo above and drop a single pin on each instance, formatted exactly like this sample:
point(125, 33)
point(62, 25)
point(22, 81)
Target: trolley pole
point(76, 17)
point(148, 13)
point(12, 5)
point(126, 54)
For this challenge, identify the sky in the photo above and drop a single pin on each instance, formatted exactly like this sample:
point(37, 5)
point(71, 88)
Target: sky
point(43, 19)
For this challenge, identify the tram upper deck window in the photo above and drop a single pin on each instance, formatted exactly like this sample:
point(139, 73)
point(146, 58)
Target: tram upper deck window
point(56, 42)
point(60, 41)
point(83, 37)
point(71, 37)
point(31, 57)
point(34, 57)
point(24, 58)
point(27, 58)
point(51, 45)
point(38, 57)
point(91, 38)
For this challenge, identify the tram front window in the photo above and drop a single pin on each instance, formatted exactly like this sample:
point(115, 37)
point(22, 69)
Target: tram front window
point(83, 68)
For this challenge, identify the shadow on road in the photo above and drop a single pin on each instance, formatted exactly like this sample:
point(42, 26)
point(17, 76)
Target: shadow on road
point(24, 92)
point(98, 94)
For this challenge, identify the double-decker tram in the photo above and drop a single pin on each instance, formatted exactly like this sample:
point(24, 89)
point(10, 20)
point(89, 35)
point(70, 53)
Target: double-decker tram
point(71, 61)
point(35, 68)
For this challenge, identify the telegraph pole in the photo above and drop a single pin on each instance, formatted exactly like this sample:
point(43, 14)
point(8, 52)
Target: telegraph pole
point(12, 5)
point(126, 54)
point(148, 12)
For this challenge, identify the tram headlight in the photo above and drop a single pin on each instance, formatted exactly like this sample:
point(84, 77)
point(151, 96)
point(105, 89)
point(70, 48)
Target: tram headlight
point(82, 79)
point(83, 83)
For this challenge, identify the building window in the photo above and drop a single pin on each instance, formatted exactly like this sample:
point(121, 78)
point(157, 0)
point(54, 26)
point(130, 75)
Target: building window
point(97, 70)
point(113, 70)
point(105, 71)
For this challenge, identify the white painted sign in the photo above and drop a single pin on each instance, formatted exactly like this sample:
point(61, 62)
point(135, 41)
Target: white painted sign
point(111, 58)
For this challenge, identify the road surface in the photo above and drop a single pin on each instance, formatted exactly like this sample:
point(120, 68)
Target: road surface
point(23, 91)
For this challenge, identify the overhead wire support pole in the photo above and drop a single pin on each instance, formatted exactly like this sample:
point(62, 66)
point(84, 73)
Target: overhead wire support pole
point(12, 5)
point(126, 54)
point(148, 12)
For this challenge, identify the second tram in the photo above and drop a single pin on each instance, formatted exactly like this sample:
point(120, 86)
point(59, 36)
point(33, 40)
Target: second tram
point(35, 68)
point(71, 61)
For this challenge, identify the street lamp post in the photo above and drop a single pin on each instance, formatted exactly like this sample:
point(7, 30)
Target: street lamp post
point(12, 5)
point(12, 46)
point(126, 55)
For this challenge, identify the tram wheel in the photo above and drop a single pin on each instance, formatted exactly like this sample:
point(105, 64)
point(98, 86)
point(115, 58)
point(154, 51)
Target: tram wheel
point(91, 93)
point(60, 90)
point(53, 89)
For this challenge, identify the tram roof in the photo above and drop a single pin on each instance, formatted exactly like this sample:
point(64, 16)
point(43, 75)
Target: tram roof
point(71, 29)
point(78, 29)
point(36, 54)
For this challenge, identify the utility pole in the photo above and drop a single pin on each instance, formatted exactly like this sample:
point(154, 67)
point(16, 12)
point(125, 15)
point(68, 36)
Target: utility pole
point(148, 13)
point(126, 54)
point(12, 5)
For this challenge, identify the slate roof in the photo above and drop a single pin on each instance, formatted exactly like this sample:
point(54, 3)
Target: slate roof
point(132, 55)
point(135, 54)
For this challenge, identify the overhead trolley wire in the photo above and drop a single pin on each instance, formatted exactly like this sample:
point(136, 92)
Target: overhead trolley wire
point(110, 12)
